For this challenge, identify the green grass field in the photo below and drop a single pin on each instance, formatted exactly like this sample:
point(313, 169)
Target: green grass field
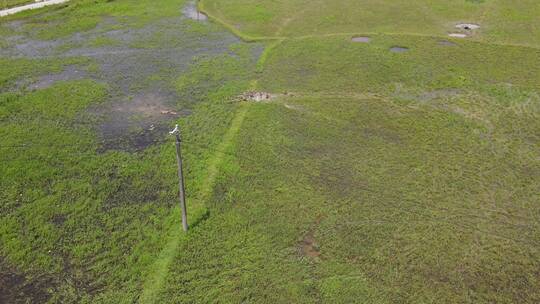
point(12, 3)
point(371, 177)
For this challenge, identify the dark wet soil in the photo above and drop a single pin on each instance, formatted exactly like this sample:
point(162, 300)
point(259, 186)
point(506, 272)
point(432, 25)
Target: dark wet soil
point(399, 49)
point(137, 122)
point(16, 288)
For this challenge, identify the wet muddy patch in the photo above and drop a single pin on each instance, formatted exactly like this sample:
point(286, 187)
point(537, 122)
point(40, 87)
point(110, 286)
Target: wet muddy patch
point(16, 288)
point(21, 46)
point(190, 11)
point(138, 121)
point(138, 69)
point(399, 49)
point(71, 72)
point(361, 39)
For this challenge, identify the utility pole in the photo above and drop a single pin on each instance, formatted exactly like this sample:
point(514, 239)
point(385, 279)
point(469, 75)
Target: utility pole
point(182, 195)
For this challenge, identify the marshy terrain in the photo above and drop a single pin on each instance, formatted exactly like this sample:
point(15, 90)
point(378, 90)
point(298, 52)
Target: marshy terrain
point(335, 152)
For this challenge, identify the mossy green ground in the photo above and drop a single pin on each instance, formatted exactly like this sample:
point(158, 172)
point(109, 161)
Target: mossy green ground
point(378, 178)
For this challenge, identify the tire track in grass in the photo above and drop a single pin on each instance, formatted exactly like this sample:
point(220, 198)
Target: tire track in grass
point(196, 210)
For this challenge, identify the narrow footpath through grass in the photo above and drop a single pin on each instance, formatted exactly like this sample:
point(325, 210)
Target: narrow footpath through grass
point(197, 211)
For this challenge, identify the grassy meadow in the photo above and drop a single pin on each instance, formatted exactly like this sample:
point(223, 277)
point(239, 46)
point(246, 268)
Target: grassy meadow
point(4, 4)
point(372, 176)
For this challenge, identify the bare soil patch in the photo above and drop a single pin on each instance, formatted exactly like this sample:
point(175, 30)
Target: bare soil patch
point(468, 26)
point(16, 288)
point(361, 39)
point(309, 246)
point(257, 96)
point(447, 43)
point(399, 49)
point(438, 94)
point(457, 35)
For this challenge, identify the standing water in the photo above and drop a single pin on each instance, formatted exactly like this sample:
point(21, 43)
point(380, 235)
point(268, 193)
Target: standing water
point(190, 11)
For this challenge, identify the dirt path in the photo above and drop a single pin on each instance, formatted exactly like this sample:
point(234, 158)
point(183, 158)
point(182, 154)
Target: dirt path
point(160, 269)
point(14, 10)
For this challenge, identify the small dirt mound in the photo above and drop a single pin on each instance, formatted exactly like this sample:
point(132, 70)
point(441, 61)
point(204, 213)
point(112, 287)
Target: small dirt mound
point(468, 26)
point(361, 39)
point(256, 96)
point(399, 49)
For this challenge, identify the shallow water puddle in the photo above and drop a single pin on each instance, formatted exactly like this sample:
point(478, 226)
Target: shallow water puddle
point(361, 39)
point(399, 49)
point(71, 72)
point(142, 105)
point(190, 11)
point(447, 43)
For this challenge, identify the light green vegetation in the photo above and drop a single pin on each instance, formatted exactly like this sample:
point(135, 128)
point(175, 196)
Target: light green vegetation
point(502, 21)
point(79, 225)
point(373, 177)
point(413, 177)
point(92, 225)
point(406, 204)
point(81, 15)
point(12, 3)
point(385, 178)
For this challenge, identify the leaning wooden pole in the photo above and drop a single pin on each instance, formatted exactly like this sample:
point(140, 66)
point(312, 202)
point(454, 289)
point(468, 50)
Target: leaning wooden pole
point(181, 187)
